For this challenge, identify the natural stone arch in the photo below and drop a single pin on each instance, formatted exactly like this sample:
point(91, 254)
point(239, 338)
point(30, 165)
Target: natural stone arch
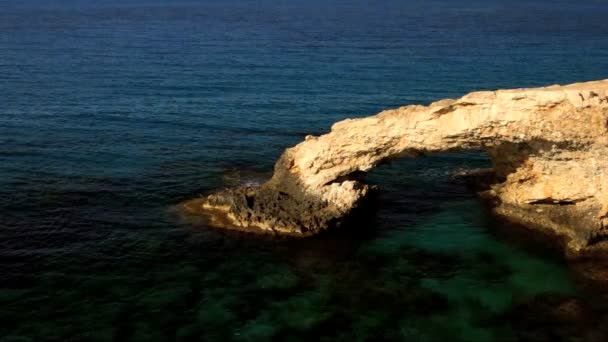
point(548, 147)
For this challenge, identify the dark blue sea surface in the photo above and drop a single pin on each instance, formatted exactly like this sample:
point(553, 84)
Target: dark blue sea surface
point(113, 112)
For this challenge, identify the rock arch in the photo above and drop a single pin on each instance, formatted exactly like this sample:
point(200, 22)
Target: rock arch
point(549, 148)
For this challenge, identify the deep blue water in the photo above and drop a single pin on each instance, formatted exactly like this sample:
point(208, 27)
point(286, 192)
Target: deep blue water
point(112, 112)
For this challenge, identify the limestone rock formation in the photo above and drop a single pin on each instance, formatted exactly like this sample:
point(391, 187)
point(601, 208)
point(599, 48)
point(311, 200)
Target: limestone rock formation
point(548, 147)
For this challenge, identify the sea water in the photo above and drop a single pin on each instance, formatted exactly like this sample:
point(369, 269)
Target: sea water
point(113, 112)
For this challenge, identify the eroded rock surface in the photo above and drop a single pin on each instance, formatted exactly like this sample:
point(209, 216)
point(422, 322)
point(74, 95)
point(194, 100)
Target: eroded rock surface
point(548, 147)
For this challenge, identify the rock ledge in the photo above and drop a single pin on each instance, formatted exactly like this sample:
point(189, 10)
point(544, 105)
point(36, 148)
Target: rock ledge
point(549, 149)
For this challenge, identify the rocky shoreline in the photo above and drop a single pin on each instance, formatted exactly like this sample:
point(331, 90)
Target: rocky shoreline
point(548, 146)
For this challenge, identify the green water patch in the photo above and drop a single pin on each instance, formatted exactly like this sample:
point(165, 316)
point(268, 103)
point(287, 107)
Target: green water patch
point(486, 276)
point(448, 270)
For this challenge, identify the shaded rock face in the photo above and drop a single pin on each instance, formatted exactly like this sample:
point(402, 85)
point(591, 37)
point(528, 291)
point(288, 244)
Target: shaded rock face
point(548, 147)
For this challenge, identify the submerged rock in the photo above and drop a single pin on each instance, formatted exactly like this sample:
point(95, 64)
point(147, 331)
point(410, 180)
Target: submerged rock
point(548, 148)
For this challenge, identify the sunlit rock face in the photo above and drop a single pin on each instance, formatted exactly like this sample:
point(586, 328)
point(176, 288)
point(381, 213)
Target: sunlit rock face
point(548, 147)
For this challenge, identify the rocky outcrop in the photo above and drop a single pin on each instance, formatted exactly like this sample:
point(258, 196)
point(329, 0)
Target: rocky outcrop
point(549, 148)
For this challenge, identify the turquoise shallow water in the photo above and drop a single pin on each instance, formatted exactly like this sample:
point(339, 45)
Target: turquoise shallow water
point(113, 112)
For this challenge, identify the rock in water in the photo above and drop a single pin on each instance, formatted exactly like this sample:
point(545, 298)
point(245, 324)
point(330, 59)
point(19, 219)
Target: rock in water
point(548, 147)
